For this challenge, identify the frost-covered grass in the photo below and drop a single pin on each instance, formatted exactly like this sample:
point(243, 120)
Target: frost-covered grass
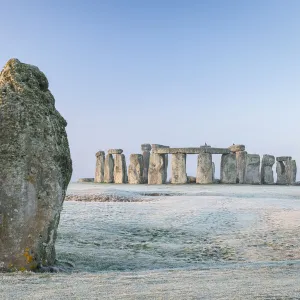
point(192, 226)
point(175, 242)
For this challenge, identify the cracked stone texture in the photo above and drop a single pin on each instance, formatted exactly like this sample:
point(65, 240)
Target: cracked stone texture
point(204, 168)
point(252, 175)
point(135, 170)
point(156, 172)
point(35, 171)
point(241, 160)
point(228, 168)
point(267, 176)
point(109, 169)
point(100, 161)
point(120, 169)
point(179, 168)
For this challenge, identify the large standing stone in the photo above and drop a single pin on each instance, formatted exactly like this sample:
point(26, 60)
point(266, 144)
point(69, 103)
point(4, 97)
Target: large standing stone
point(109, 169)
point(204, 168)
point(156, 174)
point(99, 172)
point(146, 148)
point(286, 170)
point(241, 161)
point(293, 172)
point(213, 171)
point(252, 175)
point(228, 168)
point(166, 159)
point(179, 168)
point(35, 168)
point(120, 169)
point(135, 170)
point(267, 163)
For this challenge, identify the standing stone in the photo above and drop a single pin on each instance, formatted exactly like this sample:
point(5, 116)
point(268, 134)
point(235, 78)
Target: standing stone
point(120, 169)
point(179, 168)
point(156, 174)
point(35, 171)
point(99, 172)
point(293, 172)
point(214, 171)
point(228, 168)
point(135, 170)
point(286, 170)
point(204, 168)
point(241, 161)
point(252, 175)
point(166, 160)
point(109, 169)
point(267, 163)
point(146, 148)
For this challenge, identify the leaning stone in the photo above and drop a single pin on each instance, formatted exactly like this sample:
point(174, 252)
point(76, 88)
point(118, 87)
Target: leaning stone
point(120, 170)
point(86, 180)
point(115, 151)
point(156, 174)
point(109, 169)
point(35, 171)
point(267, 163)
point(228, 168)
point(283, 158)
point(241, 161)
point(179, 168)
point(100, 161)
point(146, 147)
point(236, 148)
point(204, 169)
point(135, 170)
point(252, 175)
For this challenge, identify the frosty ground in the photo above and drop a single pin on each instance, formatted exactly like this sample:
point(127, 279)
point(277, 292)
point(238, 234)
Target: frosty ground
point(172, 242)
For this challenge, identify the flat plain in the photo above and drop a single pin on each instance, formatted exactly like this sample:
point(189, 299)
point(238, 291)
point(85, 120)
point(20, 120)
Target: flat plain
point(172, 242)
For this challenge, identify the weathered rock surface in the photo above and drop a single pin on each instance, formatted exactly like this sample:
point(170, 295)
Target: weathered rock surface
point(155, 147)
point(86, 179)
point(156, 173)
point(204, 168)
point(252, 175)
point(213, 170)
point(35, 168)
point(120, 169)
point(100, 161)
point(115, 151)
point(228, 168)
point(191, 150)
point(236, 148)
point(266, 173)
point(293, 172)
point(241, 161)
point(286, 171)
point(109, 169)
point(179, 168)
point(135, 170)
point(146, 148)
point(283, 158)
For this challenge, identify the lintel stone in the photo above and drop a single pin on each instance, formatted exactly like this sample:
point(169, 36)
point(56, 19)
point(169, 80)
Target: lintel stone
point(115, 151)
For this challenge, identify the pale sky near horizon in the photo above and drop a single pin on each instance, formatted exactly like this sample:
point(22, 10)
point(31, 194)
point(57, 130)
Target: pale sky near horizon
point(178, 73)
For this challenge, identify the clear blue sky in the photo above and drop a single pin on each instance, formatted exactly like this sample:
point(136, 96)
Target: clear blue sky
point(179, 73)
